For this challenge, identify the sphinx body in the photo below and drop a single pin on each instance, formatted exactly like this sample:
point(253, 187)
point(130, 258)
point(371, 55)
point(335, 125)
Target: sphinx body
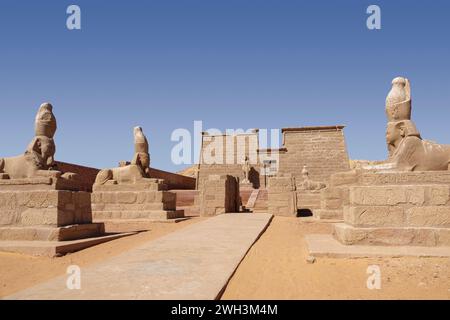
point(129, 172)
point(415, 154)
point(37, 161)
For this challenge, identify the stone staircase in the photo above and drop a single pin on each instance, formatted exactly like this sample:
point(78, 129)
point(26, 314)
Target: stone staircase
point(261, 202)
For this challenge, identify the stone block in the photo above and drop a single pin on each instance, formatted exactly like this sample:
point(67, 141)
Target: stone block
point(438, 195)
point(126, 197)
point(44, 207)
point(387, 195)
point(388, 236)
point(374, 216)
point(428, 216)
point(328, 214)
point(443, 237)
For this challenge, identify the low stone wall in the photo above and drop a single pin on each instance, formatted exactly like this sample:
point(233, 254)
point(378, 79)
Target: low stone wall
point(172, 180)
point(86, 175)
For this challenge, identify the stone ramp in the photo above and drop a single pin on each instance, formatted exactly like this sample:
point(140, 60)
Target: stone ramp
point(194, 263)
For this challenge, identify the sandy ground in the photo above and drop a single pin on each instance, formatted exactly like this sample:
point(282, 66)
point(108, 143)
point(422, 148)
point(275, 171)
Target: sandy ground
point(18, 272)
point(276, 268)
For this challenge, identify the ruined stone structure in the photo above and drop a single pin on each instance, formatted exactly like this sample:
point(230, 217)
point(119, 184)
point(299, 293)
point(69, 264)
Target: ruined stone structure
point(282, 198)
point(219, 195)
point(40, 203)
point(321, 149)
point(129, 192)
point(235, 148)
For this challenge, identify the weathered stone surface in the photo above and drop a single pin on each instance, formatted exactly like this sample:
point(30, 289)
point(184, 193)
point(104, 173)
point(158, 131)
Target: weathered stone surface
point(282, 196)
point(438, 195)
point(308, 199)
point(404, 178)
point(374, 216)
point(390, 236)
point(436, 216)
point(324, 245)
point(322, 149)
point(47, 233)
point(387, 195)
point(47, 207)
point(328, 214)
point(218, 195)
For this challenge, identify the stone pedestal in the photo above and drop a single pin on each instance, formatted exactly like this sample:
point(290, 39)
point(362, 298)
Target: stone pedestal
point(147, 199)
point(397, 214)
point(282, 197)
point(43, 213)
point(308, 200)
point(218, 195)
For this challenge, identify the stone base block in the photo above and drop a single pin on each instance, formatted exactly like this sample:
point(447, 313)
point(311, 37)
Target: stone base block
point(218, 195)
point(405, 178)
point(308, 199)
point(327, 214)
point(44, 207)
point(393, 195)
point(324, 245)
point(46, 233)
point(398, 216)
point(392, 236)
point(41, 183)
point(153, 215)
point(142, 185)
point(135, 225)
point(55, 248)
point(133, 200)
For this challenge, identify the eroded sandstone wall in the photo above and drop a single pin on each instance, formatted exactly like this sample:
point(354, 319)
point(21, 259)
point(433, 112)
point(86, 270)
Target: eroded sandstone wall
point(322, 149)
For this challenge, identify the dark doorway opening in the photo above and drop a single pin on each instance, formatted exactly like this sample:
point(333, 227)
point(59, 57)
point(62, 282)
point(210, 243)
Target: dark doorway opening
point(301, 213)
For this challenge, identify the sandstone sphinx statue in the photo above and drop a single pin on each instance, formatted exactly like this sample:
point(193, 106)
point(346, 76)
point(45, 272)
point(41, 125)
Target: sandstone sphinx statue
point(407, 150)
point(128, 192)
point(39, 202)
point(38, 159)
point(129, 172)
point(308, 184)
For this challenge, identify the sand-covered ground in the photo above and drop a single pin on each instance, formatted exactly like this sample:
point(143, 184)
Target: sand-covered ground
point(18, 272)
point(276, 268)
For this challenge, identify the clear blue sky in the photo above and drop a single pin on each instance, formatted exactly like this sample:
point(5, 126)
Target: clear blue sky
point(233, 64)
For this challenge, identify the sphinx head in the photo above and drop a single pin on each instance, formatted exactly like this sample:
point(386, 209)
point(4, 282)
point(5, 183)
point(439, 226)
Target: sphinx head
point(42, 150)
point(396, 131)
point(142, 160)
